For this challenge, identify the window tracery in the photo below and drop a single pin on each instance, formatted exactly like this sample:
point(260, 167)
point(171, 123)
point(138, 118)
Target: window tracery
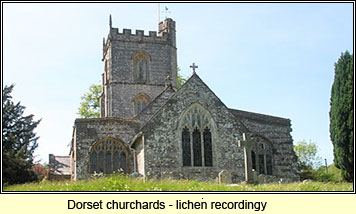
point(107, 156)
point(196, 125)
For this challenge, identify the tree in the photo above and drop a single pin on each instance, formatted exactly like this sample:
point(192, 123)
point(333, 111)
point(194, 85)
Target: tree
point(308, 160)
point(181, 80)
point(18, 141)
point(342, 115)
point(89, 105)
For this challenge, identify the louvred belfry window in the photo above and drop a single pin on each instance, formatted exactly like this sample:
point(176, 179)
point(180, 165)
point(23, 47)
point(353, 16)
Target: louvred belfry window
point(141, 66)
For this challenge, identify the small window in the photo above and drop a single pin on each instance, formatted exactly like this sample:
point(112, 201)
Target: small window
point(141, 101)
point(140, 66)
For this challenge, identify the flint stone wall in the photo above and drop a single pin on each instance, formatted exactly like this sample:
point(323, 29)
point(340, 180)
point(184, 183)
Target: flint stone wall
point(162, 137)
point(89, 131)
point(277, 130)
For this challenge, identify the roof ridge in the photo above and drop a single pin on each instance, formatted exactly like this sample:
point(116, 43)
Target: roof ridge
point(153, 101)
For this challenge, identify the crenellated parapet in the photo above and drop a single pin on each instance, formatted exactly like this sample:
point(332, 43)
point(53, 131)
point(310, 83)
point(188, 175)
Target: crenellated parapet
point(138, 36)
point(165, 36)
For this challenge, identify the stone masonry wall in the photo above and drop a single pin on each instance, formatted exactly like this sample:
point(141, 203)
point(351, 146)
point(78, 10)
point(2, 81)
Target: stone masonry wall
point(123, 97)
point(119, 83)
point(277, 130)
point(163, 146)
point(89, 131)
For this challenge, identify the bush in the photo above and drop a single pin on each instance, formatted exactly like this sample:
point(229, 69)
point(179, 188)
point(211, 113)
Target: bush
point(333, 174)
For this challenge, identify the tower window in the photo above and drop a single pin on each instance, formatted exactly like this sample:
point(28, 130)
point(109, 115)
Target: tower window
point(140, 66)
point(141, 101)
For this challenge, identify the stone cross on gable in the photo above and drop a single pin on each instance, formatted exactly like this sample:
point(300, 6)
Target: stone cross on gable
point(193, 66)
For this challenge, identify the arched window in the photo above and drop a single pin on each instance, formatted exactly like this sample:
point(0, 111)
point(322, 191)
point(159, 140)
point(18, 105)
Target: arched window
point(107, 156)
point(141, 101)
point(265, 158)
point(140, 66)
point(196, 125)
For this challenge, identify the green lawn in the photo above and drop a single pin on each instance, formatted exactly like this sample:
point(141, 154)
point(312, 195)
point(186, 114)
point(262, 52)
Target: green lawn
point(124, 183)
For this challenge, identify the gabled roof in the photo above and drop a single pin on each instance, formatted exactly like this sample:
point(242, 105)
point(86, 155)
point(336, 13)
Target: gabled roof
point(257, 117)
point(61, 165)
point(153, 106)
point(183, 87)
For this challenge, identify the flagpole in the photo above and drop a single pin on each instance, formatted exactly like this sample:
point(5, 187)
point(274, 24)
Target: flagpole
point(159, 18)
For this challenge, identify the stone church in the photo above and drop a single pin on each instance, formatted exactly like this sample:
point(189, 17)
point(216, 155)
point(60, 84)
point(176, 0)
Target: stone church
point(148, 125)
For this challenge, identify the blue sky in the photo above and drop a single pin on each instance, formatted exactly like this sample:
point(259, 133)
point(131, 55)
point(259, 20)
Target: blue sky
point(267, 58)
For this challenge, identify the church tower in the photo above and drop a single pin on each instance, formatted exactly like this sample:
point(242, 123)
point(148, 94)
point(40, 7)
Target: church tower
point(136, 68)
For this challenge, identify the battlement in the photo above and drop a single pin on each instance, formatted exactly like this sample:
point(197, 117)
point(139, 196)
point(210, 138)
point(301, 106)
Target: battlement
point(166, 35)
point(125, 33)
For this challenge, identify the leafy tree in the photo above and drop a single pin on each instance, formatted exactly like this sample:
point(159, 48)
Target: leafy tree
point(18, 141)
point(180, 78)
point(308, 160)
point(89, 105)
point(342, 115)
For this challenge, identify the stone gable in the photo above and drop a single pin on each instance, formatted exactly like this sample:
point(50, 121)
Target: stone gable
point(162, 136)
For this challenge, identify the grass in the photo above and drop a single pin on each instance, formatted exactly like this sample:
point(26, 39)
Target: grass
point(125, 183)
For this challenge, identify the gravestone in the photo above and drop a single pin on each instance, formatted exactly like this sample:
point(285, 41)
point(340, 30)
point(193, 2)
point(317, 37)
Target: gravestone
point(224, 177)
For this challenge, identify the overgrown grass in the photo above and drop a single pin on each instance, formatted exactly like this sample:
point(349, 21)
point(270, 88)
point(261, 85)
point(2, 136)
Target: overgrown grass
point(124, 183)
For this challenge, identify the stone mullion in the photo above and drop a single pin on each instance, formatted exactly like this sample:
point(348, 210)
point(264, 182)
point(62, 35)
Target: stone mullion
point(202, 148)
